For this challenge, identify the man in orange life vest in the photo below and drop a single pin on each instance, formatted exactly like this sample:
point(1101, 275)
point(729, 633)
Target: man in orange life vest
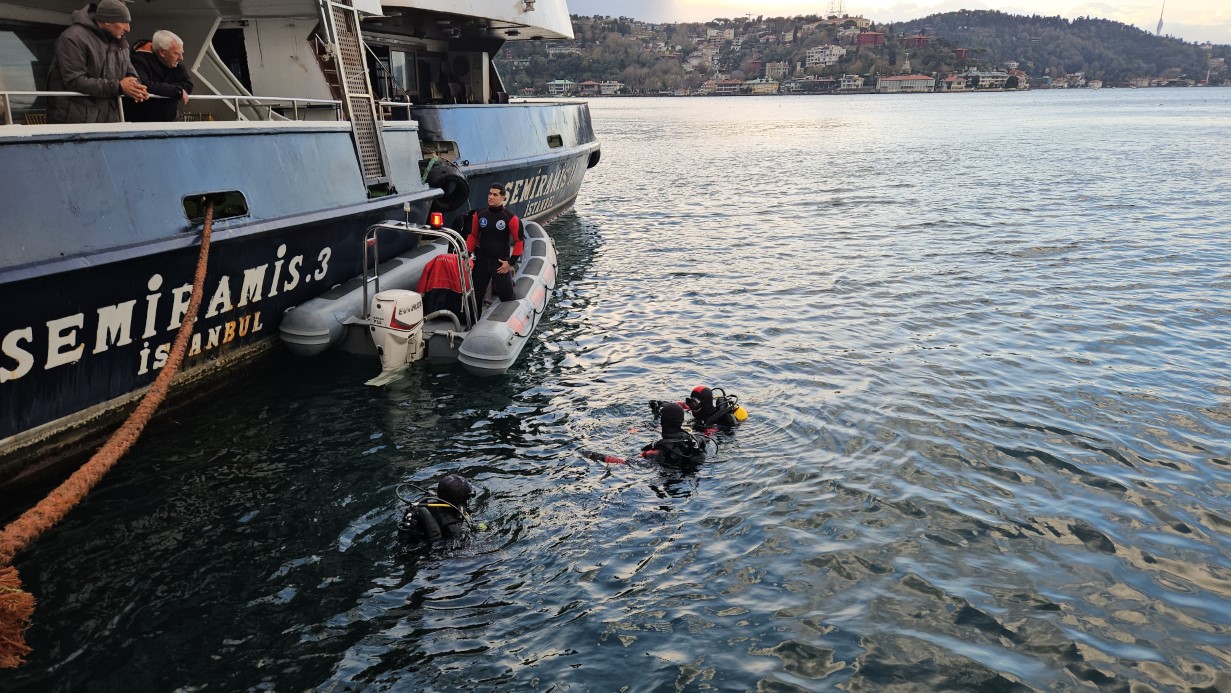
point(495, 241)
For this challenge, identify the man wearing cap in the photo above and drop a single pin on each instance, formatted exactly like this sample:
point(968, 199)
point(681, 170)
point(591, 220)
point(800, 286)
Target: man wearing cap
point(92, 57)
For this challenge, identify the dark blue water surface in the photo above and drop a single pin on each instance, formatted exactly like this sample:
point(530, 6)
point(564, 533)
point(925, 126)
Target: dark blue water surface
point(984, 344)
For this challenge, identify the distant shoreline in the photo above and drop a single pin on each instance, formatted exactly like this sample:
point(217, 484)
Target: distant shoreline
point(857, 92)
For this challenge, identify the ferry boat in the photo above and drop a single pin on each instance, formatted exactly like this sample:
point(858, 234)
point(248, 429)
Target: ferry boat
point(310, 121)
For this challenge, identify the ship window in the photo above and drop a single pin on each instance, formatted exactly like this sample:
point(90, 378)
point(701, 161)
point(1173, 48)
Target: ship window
point(232, 50)
point(392, 73)
point(403, 65)
point(445, 149)
point(26, 51)
point(227, 205)
point(554, 141)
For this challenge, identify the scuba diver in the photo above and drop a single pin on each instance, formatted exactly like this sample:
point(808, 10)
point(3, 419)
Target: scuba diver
point(709, 413)
point(676, 447)
point(439, 516)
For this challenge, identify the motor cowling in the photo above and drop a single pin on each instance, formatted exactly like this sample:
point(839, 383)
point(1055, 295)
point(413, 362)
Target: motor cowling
point(397, 328)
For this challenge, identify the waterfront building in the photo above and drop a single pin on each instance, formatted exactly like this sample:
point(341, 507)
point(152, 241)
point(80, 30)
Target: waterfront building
point(762, 86)
point(954, 83)
point(561, 87)
point(906, 83)
point(811, 85)
point(850, 83)
point(986, 79)
point(610, 87)
point(587, 88)
point(777, 70)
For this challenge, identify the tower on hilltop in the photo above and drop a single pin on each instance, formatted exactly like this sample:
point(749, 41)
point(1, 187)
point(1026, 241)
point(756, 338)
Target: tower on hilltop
point(837, 8)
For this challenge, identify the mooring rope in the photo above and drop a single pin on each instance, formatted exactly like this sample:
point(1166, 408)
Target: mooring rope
point(17, 605)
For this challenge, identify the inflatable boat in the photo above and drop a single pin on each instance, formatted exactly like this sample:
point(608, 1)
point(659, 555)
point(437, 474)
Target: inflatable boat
point(422, 305)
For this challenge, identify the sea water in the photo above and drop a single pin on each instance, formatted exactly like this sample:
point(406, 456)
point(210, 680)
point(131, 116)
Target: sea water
point(983, 339)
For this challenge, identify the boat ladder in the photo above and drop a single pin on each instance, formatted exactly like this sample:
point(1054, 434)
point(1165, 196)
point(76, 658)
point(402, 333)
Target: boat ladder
point(340, 20)
point(457, 247)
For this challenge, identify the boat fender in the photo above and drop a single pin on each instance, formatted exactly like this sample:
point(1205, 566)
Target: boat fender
point(446, 175)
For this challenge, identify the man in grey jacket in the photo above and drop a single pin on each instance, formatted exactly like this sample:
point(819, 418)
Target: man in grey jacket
point(92, 58)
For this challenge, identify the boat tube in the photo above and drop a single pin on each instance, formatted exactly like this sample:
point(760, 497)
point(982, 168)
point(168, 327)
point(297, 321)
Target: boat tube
point(495, 342)
point(321, 324)
point(347, 317)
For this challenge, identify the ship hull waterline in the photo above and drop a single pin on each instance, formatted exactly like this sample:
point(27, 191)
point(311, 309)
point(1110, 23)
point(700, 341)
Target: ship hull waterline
point(81, 385)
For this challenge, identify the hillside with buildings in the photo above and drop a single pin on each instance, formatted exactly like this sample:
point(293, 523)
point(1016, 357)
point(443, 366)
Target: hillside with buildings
point(959, 51)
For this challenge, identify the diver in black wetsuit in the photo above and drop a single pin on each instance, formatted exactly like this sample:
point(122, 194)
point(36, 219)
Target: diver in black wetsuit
point(439, 516)
point(708, 412)
point(676, 447)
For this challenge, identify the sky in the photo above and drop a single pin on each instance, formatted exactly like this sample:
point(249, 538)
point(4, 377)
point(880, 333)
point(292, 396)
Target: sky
point(1191, 20)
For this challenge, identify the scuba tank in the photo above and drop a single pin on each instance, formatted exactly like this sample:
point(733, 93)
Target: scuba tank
point(725, 403)
point(436, 516)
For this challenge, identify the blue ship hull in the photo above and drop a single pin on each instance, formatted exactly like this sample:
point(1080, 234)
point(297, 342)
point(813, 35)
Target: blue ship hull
point(103, 250)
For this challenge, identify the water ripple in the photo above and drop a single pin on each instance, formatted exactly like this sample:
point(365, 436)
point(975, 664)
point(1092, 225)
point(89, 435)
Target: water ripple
point(987, 450)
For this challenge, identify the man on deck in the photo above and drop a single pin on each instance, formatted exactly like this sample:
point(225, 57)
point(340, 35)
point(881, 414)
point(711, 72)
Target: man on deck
point(162, 71)
point(91, 57)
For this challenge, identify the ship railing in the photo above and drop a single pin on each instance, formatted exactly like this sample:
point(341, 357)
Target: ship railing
point(262, 107)
point(382, 105)
point(457, 246)
point(33, 118)
point(259, 107)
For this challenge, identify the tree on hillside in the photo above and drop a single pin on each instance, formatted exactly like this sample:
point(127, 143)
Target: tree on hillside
point(616, 48)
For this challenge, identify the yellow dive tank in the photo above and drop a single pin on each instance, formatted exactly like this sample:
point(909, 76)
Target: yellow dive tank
point(740, 413)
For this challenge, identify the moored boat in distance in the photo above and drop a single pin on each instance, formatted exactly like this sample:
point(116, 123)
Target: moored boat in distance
point(310, 121)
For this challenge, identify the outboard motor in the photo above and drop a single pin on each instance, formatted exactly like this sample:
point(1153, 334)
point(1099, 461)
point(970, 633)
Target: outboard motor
point(397, 328)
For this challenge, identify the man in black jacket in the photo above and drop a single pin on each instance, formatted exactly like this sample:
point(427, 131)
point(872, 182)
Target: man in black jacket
point(495, 239)
point(162, 72)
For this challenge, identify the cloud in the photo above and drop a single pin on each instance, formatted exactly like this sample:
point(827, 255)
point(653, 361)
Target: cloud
point(645, 10)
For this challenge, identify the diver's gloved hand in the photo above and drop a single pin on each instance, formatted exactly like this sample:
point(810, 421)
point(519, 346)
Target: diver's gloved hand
point(656, 406)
